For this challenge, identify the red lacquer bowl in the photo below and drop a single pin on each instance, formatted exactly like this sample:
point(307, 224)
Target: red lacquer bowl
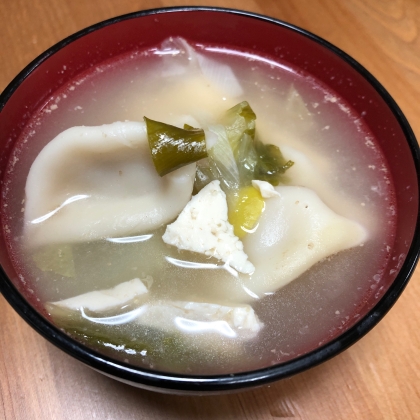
point(258, 35)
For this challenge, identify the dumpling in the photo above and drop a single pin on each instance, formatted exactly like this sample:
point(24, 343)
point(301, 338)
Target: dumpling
point(206, 85)
point(103, 300)
point(184, 59)
point(296, 230)
point(201, 317)
point(90, 183)
point(164, 315)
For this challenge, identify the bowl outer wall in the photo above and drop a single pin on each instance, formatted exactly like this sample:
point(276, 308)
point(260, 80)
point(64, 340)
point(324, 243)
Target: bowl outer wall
point(253, 34)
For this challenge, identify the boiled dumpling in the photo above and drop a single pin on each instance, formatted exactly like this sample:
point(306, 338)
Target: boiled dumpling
point(201, 317)
point(311, 168)
point(314, 172)
point(164, 315)
point(103, 300)
point(296, 230)
point(207, 86)
point(181, 58)
point(90, 183)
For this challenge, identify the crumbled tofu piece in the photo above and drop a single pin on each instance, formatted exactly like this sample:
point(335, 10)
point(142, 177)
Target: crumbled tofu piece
point(203, 227)
point(266, 189)
point(102, 300)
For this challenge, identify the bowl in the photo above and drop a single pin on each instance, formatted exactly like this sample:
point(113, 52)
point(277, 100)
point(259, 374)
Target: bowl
point(258, 38)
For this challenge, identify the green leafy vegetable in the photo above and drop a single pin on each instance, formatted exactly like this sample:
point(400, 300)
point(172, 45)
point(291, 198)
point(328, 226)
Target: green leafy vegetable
point(203, 175)
point(255, 159)
point(95, 334)
point(222, 161)
point(247, 159)
point(271, 165)
point(176, 352)
point(236, 158)
point(173, 147)
point(239, 121)
point(55, 258)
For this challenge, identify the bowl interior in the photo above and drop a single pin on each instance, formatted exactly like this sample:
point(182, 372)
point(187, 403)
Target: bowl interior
point(252, 35)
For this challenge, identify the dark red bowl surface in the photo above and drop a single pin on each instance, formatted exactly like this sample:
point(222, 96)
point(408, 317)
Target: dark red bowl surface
point(265, 37)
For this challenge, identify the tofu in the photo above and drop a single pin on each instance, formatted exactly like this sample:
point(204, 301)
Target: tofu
point(203, 227)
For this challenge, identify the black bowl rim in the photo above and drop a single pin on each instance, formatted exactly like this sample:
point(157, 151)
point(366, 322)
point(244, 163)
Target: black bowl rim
point(217, 383)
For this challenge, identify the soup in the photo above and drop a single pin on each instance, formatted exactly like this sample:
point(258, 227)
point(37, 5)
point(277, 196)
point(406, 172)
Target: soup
point(187, 311)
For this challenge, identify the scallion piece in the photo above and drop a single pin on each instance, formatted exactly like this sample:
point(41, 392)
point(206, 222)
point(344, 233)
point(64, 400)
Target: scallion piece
point(173, 147)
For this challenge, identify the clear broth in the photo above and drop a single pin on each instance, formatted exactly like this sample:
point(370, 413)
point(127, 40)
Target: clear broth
point(301, 316)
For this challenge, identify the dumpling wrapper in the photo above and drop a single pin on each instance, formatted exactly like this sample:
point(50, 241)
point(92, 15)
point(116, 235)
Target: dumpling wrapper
point(102, 300)
point(90, 183)
point(189, 84)
point(296, 230)
point(173, 317)
point(165, 315)
point(218, 75)
point(293, 132)
point(201, 318)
